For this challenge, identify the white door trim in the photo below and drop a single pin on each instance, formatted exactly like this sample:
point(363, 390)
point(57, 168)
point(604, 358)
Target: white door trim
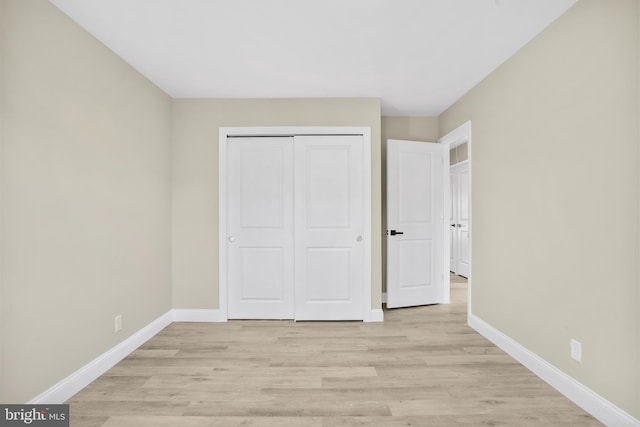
point(456, 137)
point(459, 165)
point(368, 314)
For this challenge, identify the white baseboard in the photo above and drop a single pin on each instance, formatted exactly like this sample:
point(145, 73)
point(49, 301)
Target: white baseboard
point(78, 380)
point(605, 411)
point(198, 315)
point(374, 315)
point(384, 297)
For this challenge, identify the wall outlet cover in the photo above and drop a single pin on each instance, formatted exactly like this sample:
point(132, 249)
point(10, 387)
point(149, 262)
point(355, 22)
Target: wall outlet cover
point(576, 350)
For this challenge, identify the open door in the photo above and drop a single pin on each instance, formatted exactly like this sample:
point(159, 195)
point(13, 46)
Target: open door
point(416, 222)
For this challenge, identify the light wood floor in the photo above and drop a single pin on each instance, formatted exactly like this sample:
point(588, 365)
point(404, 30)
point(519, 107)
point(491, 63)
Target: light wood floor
point(422, 367)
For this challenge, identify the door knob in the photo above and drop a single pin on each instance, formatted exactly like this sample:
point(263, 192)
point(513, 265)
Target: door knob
point(394, 232)
point(232, 239)
point(359, 239)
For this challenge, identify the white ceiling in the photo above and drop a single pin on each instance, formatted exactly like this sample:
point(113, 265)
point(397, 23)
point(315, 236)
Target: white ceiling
point(418, 56)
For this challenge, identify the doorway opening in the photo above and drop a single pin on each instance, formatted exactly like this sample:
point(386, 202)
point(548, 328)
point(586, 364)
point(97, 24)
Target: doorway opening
point(459, 195)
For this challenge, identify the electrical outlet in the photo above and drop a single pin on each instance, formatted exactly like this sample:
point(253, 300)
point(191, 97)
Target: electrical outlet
point(576, 350)
point(118, 322)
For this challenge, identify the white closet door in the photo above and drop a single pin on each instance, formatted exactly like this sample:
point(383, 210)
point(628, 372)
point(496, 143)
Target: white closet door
point(260, 228)
point(329, 191)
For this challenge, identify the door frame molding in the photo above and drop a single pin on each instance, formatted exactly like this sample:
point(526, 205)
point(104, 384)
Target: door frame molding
point(368, 314)
point(456, 137)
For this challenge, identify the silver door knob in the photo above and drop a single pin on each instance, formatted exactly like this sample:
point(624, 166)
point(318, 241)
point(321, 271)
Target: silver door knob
point(232, 239)
point(359, 239)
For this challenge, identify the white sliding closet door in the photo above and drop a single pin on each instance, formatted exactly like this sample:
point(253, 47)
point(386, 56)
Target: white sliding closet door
point(295, 227)
point(260, 245)
point(329, 212)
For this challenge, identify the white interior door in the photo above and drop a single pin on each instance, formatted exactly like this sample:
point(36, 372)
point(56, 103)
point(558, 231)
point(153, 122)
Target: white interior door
point(260, 257)
point(453, 218)
point(329, 191)
point(461, 219)
point(416, 222)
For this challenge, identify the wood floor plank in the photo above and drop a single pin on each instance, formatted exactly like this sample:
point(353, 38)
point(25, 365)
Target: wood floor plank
point(378, 394)
point(229, 380)
point(87, 421)
point(144, 354)
point(289, 408)
point(505, 406)
point(422, 367)
point(104, 408)
point(199, 421)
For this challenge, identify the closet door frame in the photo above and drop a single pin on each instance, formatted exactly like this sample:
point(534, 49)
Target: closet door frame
point(226, 132)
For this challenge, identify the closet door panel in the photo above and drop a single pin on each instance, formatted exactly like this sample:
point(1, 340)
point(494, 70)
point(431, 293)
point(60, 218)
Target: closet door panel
point(329, 192)
point(260, 228)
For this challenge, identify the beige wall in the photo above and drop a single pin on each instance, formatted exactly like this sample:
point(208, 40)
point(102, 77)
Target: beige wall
point(85, 198)
point(195, 179)
point(409, 128)
point(555, 208)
